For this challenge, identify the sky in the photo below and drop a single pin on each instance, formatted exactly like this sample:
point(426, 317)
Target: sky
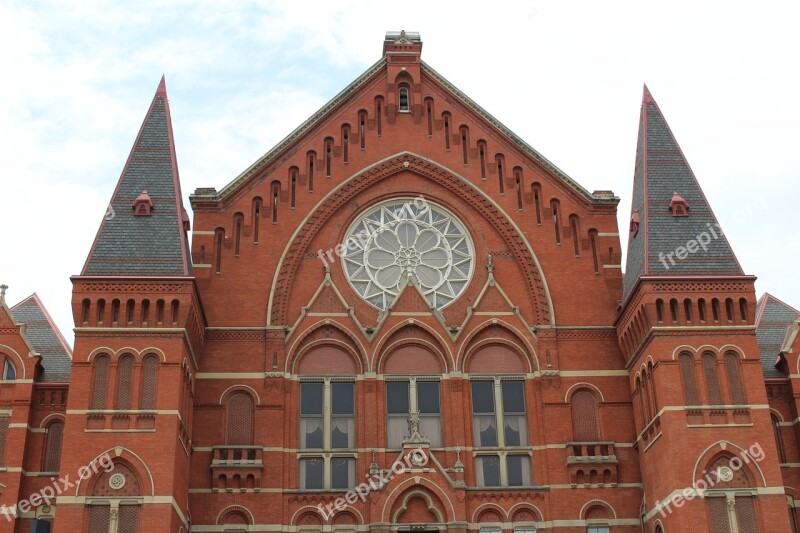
point(566, 76)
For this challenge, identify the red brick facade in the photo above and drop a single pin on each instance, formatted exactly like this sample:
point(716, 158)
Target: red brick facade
point(195, 381)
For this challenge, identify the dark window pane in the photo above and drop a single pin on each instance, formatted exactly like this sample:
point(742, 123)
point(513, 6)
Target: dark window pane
point(484, 430)
point(482, 397)
point(342, 432)
point(515, 430)
point(397, 396)
point(513, 397)
point(342, 396)
point(428, 396)
point(518, 467)
point(311, 432)
point(341, 472)
point(489, 466)
point(312, 472)
point(311, 398)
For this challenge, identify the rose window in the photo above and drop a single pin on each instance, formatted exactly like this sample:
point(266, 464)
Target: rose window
point(408, 241)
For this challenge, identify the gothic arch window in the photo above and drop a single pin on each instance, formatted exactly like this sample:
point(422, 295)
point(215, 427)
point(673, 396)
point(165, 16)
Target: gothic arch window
point(149, 371)
point(114, 311)
point(686, 363)
point(734, 378)
point(328, 152)
point(52, 449)
point(174, 309)
point(660, 310)
point(673, 310)
point(518, 185)
point(85, 306)
point(652, 386)
point(701, 309)
point(712, 382)
point(776, 430)
point(239, 419)
point(159, 312)
point(124, 379)
point(403, 99)
point(687, 309)
point(585, 417)
point(101, 311)
point(639, 394)
point(729, 309)
point(275, 193)
point(743, 309)
point(129, 310)
point(715, 309)
point(100, 382)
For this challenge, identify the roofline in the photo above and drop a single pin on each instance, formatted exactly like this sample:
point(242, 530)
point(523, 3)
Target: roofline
point(764, 300)
point(50, 321)
point(359, 82)
point(725, 277)
point(532, 152)
point(691, 173)
point(161, 91)
point(329, 106)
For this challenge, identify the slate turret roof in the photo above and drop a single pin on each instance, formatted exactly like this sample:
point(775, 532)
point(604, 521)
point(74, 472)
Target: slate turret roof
point(661, 171)
point(155, 244)
point(774, 319)
point(45, 338)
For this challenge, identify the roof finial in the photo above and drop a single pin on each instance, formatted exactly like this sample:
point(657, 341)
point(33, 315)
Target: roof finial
point(3, 288)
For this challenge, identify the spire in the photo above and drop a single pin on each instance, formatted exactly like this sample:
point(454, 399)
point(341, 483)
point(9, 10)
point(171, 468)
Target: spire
point(677, 232)
point(156, 244)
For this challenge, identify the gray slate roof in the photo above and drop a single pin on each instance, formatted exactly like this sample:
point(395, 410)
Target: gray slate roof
point(45, 338)
point(661, 170)
point(155, 245)
point(773, 319)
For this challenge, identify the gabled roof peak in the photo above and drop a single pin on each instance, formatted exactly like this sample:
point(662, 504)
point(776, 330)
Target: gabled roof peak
point(128, 244)
point(647, 98)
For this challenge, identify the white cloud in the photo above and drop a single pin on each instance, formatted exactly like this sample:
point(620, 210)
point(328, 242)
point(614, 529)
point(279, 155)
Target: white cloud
point(565, 76)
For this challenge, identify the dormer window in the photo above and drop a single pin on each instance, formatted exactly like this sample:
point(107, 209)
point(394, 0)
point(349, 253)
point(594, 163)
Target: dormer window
point(678, 206)
point(142, 205)
point(403, 104)
point(635, 219)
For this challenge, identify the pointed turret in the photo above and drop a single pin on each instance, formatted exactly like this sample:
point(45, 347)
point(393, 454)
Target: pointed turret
point(673, 230)
point(144, 232)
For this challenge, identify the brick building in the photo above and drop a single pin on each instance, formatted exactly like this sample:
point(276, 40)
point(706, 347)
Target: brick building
point(403, 278)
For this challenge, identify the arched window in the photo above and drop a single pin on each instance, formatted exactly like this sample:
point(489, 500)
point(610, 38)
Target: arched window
point(501, 163)
point(686, 362)
point(648, 416)
point(585, 419)
point(276, 192)
point(237, 233)
point(346, 143)
point(403, 103)
point(482, 156)
point(651, 382)
point(701, 309)
point(379, 113)
point(743, 309)
point(159, 311)
point(537, 200)
point(293, 187)
point(446, 121)
point(239, 419)
point(220, 238)
point(149, 370)
point(712, 382)
point(554, 207)
point(114, 311)
point(715, 309)
point(734, 378)
point(174, 308)
point(673, 310)
point(687, 309)
point(362, 128)
point(9, 370)
point(100, 384)
point(518, 185)
point(124, 378)
point(129, 309)
point(312, 157)
point(256, 218)
point(593, 242)
point(429, 115)
point(101, 311)
point(573, 226)
point(465, 143)
point(729, 309)
point(52, 449)
point(328, 155)
point(85, 310)
point(660, 310)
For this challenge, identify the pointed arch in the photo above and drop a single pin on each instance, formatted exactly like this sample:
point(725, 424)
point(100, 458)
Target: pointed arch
point(521, 249)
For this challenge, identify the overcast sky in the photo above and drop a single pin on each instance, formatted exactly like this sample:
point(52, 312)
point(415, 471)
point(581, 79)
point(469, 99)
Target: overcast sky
point(78, 77)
